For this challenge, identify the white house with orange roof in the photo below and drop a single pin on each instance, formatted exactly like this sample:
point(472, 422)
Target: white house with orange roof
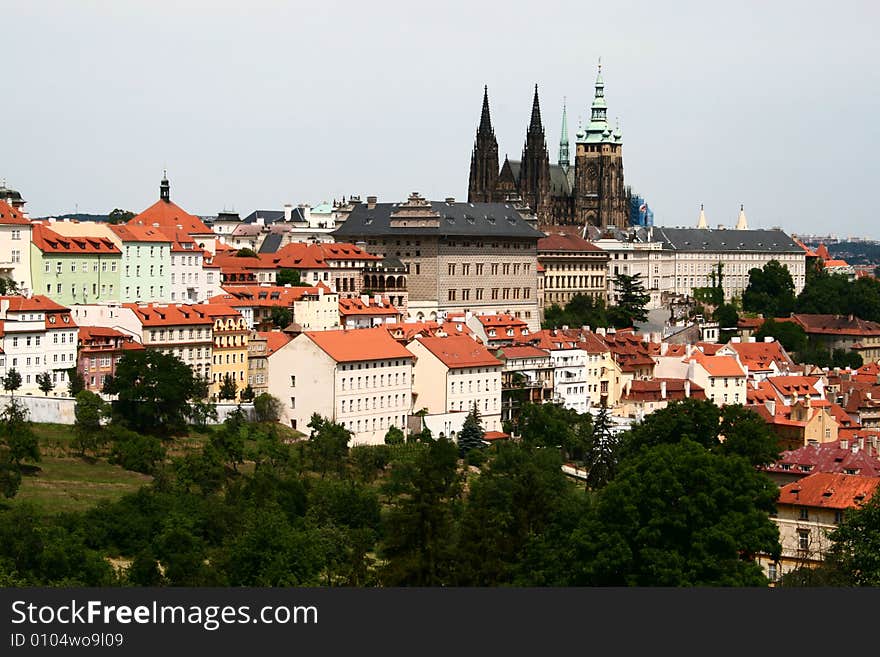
point(722, 378)
point(361, 379)
point(37, 335)
point(338, 265)
point(761, 359)
point(497, 330)
point(451, 375)
point(366, 312)
point(313, 308)
point(792, 389)
point(570, 386)
point(15, 247)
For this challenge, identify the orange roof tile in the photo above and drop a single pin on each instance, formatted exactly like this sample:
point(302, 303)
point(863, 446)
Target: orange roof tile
point(354, 345)
point(300, 255)
point(138, 233)
point(11, 216)
point(560, 242)
point(252, 296)
point(170, 314)
point(358, 307)
point(720, 365)
point(274, 340)
point(167, 214)
point(830, 490)
point(48, 241)
point(37, 302)
point(459, 351)
point(522, 351)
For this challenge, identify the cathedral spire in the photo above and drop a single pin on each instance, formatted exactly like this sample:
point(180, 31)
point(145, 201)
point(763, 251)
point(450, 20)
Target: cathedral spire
point(702, 223)
point(535, 123)
point(485, 119)
point(564, 158)
point(741, 222)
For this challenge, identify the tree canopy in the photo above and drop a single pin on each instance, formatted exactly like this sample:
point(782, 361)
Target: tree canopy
point(632, 299)
point(152, 392)
point(770, 291)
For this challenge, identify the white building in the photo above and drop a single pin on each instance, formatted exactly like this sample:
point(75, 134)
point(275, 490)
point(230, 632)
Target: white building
point(15, 247)
point(361, 379)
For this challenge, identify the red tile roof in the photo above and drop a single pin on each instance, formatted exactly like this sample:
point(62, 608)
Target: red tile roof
point(647, 390)
point(299, 255)
point(459, 351)
point(138, 233)
point(48, 241)
point(791, 385)
point(358, 307)
point(830, 490)
point(9, 216)
point(274, 340)
point(560, 242)
point(837, 325)
point(253, 296)
point(522, 351)
point(166, 214)
point(719, 365)
point(354, 345)
point(35, 303)
point(760, 356)
point(170, 314)
point(828, 457)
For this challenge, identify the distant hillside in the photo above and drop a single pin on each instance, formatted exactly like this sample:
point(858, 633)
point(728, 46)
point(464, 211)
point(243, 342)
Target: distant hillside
point(79, 216)
point(856, 253)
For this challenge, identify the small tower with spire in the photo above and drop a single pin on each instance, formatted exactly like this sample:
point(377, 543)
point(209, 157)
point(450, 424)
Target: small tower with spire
point(741, 222)
point(702, 223)
point(564, 157)
point(484, 159)
point(165, 188)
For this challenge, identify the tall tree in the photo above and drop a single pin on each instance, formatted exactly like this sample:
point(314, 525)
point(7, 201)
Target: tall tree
point(267, 408)
point(553, 425)
point(153, 391)
point(604, 451)
point(471, 434)
point(632, 298)
point(770, 291)
point(119, 216)
point(44, 382)
point(89, 411)
point(76, 382)
point(328, 444)
point(791, 336)
point(12, 381)
point(280, 316)
point(288, 277)
point(855, 547)
point(228, 388)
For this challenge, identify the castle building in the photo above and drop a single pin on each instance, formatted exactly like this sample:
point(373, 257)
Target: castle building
point(591, 192)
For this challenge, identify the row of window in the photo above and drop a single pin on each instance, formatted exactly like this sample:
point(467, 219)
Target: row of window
point(218, 359)
point(461, 405)
point(352, 384)
point(59, 266)
point(36, 361)
point(482, 385)
point(105, 289)
point(158, 335)
point(371, 403)
point(218, 377)
point(373, 364)
point(378, 424)
point(506, 293)
point(579, 282)
point(465, 268)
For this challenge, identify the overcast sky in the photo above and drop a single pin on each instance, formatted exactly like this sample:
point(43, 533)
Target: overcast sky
point(254, 104)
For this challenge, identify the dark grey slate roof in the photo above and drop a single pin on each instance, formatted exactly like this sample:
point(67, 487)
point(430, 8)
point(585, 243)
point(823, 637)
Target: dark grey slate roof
point(707, 239)
point(458, 219)
point(273, 216)
point(271, 243)
point(561, 182)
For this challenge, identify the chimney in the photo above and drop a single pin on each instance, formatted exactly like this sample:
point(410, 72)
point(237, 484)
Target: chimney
point(371, 202)
point(736, 340)
point(663, 390)
point(769, 338)
point(600, 331)
point(365, 298)
point(664, 348)
point(770, 404)
point(752, 339)
point(450, 200)
point(288, 211)
point(687, 388)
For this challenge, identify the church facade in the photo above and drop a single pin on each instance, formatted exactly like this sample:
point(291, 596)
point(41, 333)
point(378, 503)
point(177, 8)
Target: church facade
point(590, 191)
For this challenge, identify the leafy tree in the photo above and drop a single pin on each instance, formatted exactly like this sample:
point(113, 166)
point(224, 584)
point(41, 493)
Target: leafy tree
point(76, 382)
point(280, 316)
point(603, 453)
point(201, 412)
point(328, 443)
point(471, 434)
point(8, 287)
point(692, 419)
point(12, 381)
point(118, 216)
point(824, 293)
point(44, 382)
point(134, 451)
point(229, 441)
point(581, 310)
point(632, 299)
point(770, 291)
point(512, 502)
point(714, 293)
point(248, 394)
point(698, 519)
point(855, 547)
point(267, 408)
point(246, 253)
point(288, 277)
point(744, 433)
point(416, 547)
point(727, 318)
point(17, 438)
point(553, 425)
point(153, 391)
point(791, 336)
point(90, 409)
point(394, 436)
point(228, 388)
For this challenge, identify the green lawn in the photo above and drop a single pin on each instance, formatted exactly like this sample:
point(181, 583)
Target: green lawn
point(74, 484)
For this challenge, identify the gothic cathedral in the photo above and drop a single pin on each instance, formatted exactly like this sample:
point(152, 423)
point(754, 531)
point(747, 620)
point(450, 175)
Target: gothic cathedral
point(590, 193)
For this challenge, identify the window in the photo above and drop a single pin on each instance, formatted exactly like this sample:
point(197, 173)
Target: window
point(772, 573)
point(16, 234)
point(58, 266)
point(16, 255)
point(451, 269)
point(838, 517)
point(452, 295)
point(803, 513)
point(803, 539)
point(292, 381)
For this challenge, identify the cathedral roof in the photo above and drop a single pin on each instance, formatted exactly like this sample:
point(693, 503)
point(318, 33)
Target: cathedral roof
point(561, 180)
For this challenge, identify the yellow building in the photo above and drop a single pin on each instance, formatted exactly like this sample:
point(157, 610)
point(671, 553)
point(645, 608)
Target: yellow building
point(230, 348)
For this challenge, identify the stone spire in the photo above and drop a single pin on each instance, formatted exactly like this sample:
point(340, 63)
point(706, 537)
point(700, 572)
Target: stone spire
point(165, 188)
point(483, 178)
point(702, 223)
point(597, 129)
point(534, 174)
point(741, 222)
point(564, 157)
